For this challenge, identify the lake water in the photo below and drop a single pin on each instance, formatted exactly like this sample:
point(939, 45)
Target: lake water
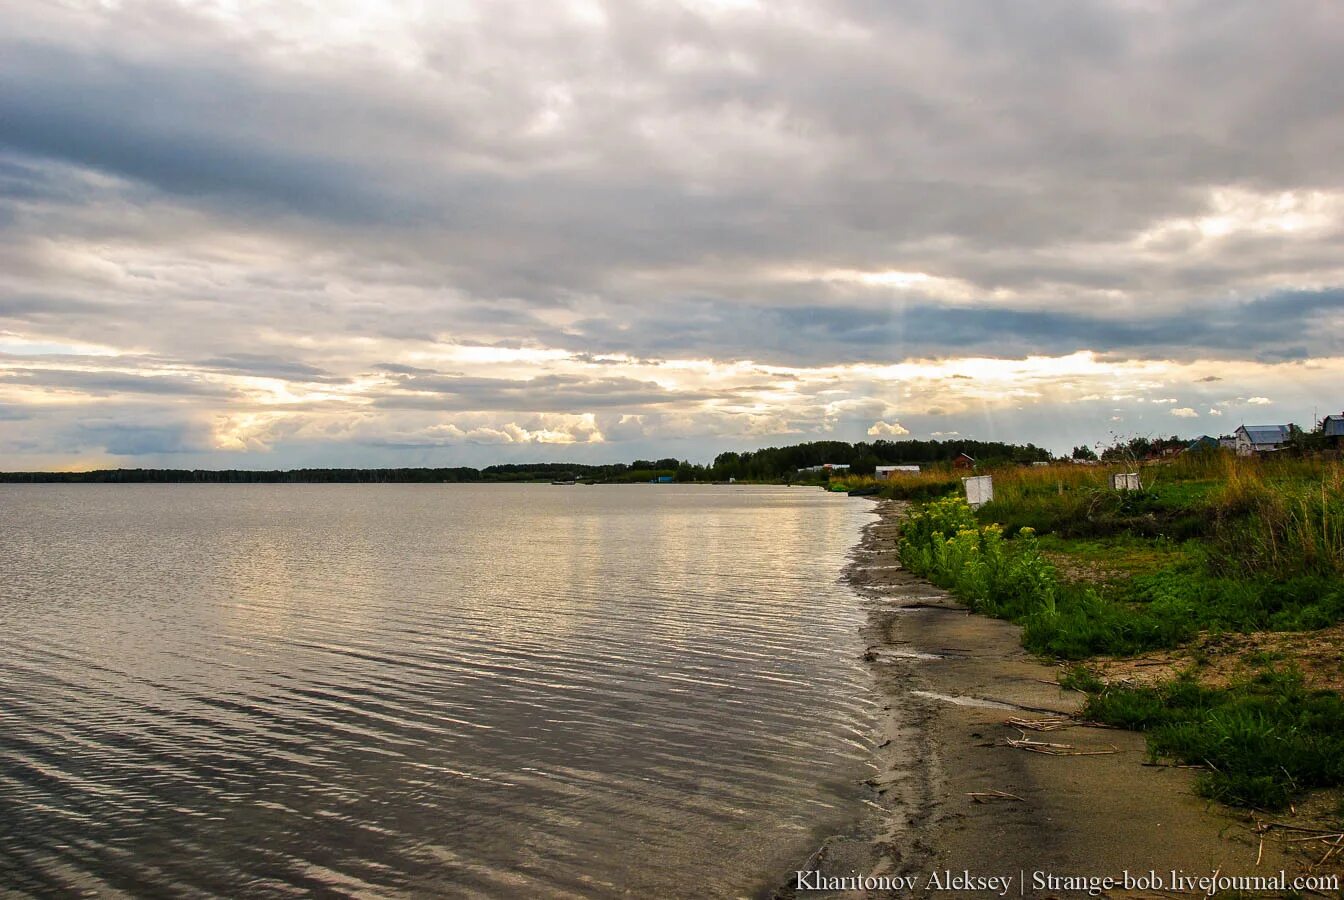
point(394, 690)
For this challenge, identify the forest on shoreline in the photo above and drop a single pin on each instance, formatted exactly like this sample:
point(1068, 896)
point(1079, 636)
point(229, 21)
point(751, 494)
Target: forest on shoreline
point(771, 464)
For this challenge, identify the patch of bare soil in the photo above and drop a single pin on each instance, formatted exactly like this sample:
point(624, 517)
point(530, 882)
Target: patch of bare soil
point(1218, 660)
point(1071, 568)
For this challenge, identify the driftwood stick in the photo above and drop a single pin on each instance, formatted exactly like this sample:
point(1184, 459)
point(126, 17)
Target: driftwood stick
point(1314, 837)
point(1288, 826)
point(1334, 848)
point(1026, 743)
point(1048, 723)
point(984, 796)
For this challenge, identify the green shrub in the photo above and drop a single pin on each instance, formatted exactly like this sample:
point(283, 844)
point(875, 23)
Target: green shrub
point(1011, 579)
point(1008, 579)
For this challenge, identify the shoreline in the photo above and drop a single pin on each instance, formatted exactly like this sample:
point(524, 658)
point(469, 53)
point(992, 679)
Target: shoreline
point(948, 680)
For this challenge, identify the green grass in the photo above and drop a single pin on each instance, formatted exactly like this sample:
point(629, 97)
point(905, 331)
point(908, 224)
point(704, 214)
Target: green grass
point(1264, 742)
point(1213, 603)
point(1161, 608)
point(1089, 511)
point(1259, 551)
point(1120, 556)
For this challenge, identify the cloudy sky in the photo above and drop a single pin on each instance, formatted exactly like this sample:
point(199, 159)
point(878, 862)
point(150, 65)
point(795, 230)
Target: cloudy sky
point(250, 234)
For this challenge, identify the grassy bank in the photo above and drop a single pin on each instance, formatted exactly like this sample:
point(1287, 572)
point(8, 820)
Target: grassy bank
point(1211, 545)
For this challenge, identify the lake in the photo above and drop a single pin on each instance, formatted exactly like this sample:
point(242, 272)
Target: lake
point(395, 690)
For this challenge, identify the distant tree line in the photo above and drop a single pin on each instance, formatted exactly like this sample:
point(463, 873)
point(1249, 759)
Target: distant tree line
point(775, 463)
point(246, 476)
point(640, 471)
point(1139, 448)
point(770, 464)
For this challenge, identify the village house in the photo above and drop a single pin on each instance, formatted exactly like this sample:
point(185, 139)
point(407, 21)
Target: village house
point(1252, 439)
point(883, 472)
point(963, 461)
point(1333, 429)
point(1203, 443)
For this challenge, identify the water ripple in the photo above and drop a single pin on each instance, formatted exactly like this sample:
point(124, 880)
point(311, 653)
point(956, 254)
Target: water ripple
point(394, 690)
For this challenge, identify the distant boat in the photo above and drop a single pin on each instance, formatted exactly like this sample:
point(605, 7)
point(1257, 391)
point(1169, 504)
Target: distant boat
point(567, 483)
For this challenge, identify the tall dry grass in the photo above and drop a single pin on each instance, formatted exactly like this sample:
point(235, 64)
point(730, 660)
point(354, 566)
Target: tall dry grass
point(1280, 517)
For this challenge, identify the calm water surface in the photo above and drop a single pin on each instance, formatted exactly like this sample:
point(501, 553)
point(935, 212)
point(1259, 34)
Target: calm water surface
point(393, 690)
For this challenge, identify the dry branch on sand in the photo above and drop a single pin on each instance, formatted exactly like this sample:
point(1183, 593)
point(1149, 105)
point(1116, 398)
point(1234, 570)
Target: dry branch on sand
point(1026, 743)
point(1317, 833)
point(1049, 723)
point(1332, 838)
point(1334, 848)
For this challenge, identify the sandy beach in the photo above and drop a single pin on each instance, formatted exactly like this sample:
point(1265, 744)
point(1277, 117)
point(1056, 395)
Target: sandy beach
point(964, 809)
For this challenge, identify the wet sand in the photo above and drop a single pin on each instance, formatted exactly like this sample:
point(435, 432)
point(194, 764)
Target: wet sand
point(950, 680)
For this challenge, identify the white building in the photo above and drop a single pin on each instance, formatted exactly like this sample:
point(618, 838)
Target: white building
point(1252, 439)
point(885, 471)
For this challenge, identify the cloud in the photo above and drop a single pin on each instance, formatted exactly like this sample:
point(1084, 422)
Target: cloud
point(1185, 412)
point(887, 429)
point(1269, 328)
point(106, 383)
point(1259, 401)
point(123, 438)
point(269, 366)
point(301, 236)
point(1214, 411)
point(551, 392)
